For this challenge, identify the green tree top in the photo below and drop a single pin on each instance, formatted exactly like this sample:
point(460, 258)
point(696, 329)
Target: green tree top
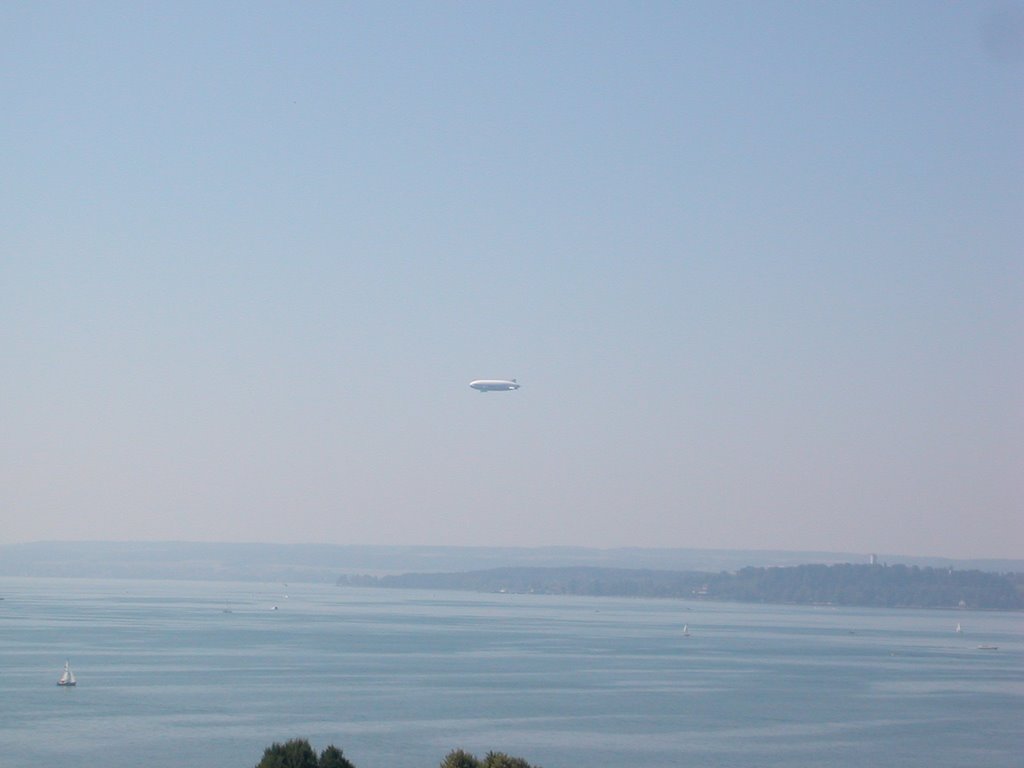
point(332, 757)
point(501, 760)
point(294, 753)
point(460, 758)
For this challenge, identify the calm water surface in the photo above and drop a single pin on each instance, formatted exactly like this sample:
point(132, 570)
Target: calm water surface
point(208, 674)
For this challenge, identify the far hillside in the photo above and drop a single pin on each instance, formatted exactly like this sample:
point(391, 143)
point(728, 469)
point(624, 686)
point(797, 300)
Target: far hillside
point(895, 586)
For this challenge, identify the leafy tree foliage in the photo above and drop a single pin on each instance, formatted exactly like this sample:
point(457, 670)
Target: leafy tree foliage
point(295, 753)
point(501, 760)
point(332, 757)
point(462, 759)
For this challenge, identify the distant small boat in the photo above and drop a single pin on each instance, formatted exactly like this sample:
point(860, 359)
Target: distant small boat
point(686, 630)
point(988, 647)
point(67, 680)
point(959, 629)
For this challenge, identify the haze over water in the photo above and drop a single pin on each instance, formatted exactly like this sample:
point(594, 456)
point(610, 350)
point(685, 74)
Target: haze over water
point(167, 677)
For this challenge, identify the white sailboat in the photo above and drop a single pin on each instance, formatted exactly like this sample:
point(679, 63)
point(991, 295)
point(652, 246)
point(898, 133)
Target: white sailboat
point(959, 629)
point(67, 680)
point(686, 630)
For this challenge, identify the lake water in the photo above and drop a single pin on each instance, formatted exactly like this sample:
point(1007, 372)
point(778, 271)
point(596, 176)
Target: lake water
point(196, 674)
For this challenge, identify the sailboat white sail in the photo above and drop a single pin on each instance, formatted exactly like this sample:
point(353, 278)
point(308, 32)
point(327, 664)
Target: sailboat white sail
point(686, 630)
point(67, 679)
point(959, 629)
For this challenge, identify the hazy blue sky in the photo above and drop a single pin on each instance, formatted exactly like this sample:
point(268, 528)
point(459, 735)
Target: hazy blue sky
point(758, 266)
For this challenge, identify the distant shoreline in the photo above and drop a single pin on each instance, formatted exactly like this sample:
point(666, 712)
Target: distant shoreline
point(326, 563)
point(841, 585)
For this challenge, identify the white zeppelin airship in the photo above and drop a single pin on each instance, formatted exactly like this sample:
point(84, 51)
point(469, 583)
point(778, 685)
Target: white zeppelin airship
point(494, 385)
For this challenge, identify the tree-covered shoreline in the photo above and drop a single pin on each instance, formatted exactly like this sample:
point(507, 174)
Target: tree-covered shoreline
point(885, 586)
